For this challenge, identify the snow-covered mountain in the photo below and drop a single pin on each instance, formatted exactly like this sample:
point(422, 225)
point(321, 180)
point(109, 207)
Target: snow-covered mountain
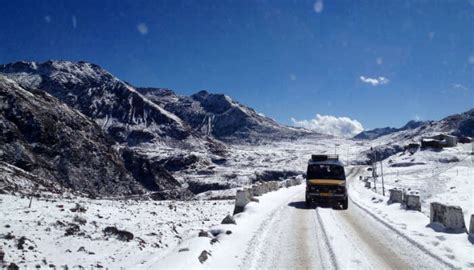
point(124, 113)
point(389, 144)
point(378, 132)
point(219, 116)
point(127, 138)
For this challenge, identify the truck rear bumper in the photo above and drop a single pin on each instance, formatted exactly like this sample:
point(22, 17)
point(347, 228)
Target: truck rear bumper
point(325, 196)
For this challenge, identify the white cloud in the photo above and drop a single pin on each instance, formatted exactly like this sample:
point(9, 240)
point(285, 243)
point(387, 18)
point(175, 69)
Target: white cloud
point(318, 6)
point(293, 77)
point(379, 60)
point(142, 28)
point(431, 35)
point(374, 81)
point(471, 59)
point(458, 86)
point(74, 22)
point(47, 18)
point(328, 124)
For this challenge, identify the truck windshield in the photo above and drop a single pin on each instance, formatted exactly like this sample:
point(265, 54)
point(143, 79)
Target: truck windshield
point(324, 171)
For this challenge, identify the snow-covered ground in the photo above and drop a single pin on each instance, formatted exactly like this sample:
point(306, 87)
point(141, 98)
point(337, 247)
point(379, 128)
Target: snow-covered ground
point(157, 226)
point(165, 232)
point(455, 249)
point(279, 232)
point(445, 176)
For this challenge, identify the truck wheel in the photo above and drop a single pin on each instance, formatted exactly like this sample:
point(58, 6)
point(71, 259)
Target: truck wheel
point(345, 204)
point(307, 203)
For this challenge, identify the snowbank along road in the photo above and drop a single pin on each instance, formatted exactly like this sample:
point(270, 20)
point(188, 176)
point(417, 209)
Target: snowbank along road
point(299, 238)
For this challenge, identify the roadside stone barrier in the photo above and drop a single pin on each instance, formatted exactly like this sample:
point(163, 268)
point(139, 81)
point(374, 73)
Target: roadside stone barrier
point(367, 185)
point(449, 216)
point(273, 185)
point(256, 190)
point(396, 195)
point(411, 200)
point(471, 226)
point(242, 198)
point(248, 194)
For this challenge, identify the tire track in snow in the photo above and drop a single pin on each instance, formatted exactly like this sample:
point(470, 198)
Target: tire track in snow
point(332, 255)
point(254, 252)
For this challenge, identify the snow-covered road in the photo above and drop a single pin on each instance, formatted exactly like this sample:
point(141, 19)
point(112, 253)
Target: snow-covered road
point(299, 238)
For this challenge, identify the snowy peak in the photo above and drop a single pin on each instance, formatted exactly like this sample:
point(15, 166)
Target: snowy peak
point(379, 132)
point(219, 116)
point(61, 72)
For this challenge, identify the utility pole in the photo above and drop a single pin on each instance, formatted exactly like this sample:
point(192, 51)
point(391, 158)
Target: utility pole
point(381, 171)
point(348, 156)
point(374, 168)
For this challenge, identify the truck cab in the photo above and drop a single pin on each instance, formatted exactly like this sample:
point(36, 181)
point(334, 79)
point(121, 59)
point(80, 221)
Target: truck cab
point(326, 182)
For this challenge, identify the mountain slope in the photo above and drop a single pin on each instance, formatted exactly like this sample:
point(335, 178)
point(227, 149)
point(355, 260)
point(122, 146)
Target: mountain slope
point(378, 132)
point(386, 145)
point(126, 115)
point(43, 136)
point(219, 116)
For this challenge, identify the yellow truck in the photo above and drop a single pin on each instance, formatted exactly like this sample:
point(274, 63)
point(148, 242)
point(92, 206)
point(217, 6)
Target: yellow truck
point(326, 182)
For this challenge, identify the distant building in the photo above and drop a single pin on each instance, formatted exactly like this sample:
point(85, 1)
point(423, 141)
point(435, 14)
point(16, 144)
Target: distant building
point(412, 147)
point(439, 141)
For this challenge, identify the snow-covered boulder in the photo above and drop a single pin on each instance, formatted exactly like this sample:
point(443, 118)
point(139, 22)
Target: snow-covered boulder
point(228, 220)
point(448, 216)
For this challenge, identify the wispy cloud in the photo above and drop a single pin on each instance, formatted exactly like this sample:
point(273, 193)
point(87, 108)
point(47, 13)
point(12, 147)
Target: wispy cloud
point(142, 28)
point(74, 22)
point(318, 6)
point(374, 81)
point(458, 86)
point(332, 125)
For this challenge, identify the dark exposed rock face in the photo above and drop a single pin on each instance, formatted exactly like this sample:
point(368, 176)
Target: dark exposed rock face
point(463, 123)
point(199, 187)
point(220, 116)
point(270, 175)
point(119, 234)
point(43, 136)
point(178, 162)
point(152, 175)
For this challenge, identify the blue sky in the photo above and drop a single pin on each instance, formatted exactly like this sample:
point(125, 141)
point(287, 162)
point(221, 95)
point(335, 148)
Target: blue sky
point(284, 58)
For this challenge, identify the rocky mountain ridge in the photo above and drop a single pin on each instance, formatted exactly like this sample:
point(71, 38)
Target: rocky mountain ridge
point(378, 132)
point(219, 116)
